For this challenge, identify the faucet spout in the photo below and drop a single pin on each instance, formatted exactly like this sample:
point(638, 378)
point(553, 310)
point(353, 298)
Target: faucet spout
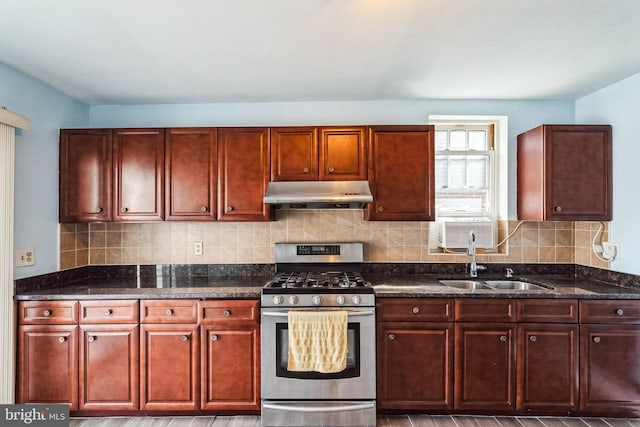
point(473, 267)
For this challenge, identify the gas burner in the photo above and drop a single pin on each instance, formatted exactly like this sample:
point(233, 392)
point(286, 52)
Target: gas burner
point(319, 281)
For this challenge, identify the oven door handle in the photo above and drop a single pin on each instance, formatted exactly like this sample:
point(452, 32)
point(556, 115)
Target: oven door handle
point(286, 313)
point(302, 408)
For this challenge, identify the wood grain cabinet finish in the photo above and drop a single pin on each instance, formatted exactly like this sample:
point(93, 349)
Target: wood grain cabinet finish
point(485, 310)
point(401, 173)
point(138, 175)
point(564, 173)
point(415, 357)
point(230, 348)
point(190, 174)
point(243, 174)
point(343, 154)
point(294, 153)
point(47, 353)
point(85, 175)
point(609, 370)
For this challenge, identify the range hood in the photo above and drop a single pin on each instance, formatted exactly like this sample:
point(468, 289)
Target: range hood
point(318, 194)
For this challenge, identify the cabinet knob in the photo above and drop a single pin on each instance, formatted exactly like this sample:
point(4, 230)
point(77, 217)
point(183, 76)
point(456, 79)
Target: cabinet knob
point(380, 209)
point(214, 338)
point(503, 338)
point(169, 312)
point(203, 209)
point(226, 313)
point(391, 337)
point(596, 339)
point(305, 170)
point(91, 338)
point(184, 338)
point(558, 209)
point(620, 312)
point(99, 210)
point(533, 338)
point(331, 170)
point(108, 312)
point(46, 313)
point(415, 310)
point(229, 208)
point(124, 210)
point(62, 339)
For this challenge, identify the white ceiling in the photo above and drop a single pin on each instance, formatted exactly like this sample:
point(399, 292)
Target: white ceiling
point(191, 51)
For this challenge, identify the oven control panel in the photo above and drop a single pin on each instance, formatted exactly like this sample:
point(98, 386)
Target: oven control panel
point(319, 300)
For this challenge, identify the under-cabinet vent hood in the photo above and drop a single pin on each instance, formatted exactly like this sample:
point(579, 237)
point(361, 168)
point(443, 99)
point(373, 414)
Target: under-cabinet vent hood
point(318, 194)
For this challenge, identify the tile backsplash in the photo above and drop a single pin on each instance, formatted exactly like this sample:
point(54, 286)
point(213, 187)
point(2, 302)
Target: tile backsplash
point(252, 242)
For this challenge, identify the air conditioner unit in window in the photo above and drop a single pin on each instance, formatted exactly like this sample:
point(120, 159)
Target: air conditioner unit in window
point(454, 232)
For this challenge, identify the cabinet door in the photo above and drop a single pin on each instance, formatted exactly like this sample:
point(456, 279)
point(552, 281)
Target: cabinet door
point(415, 366)
point(609, 370)
point(231, 368)
point(190, 173)
point(85, 175)
point(547, 368)
point(170, 367)
point(243, 174)
point(294, 154)
point(138, 175)
point(485, 367)
point(343, 154)
point(401, 173)
point(48, 364)
point(109, 367)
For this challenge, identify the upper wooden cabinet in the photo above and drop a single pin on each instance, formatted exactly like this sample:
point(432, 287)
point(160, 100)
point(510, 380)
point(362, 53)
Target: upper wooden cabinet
point(401, 173)
point(190, 174)
point(138, 174)
point(85, 175)
point(243, 174)
point(564, 173)
point(325, 153)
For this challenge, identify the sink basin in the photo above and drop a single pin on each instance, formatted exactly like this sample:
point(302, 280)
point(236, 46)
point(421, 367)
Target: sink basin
point(515, 285)
point(464, 284)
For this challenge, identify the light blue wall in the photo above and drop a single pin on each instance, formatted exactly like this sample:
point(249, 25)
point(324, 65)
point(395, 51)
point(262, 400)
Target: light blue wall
point(523, 115)
point(36, 163)
point(618, 105)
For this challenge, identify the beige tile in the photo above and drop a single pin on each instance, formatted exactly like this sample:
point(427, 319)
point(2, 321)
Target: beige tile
point(564, 254)
point(97, 256)
point(130, 255)
point(530, 237)
point(412, 253)
point(395, 253)
point(68, 242)
point(97, 226)
point(67, 259)
point(130, 239)
point(547, 254)
point(145, 255)
point(67, 228)
point(530, 254)
point(82, 257)
point(245, 254)
point(582, 238)
point(114, 226)
point(547, 237)
point(162, 255)
point(97, 239)
point(395, 237)
point(114, 239)
point(114, 256)
point(377, 254)
point(82, 241)
point(262, 254)
point(564, 237)
point(195, 231)
point(228, 255)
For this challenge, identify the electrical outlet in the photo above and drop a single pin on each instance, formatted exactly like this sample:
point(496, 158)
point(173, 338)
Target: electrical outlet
point(610, 250)
point(197, 248)
point(25, 257)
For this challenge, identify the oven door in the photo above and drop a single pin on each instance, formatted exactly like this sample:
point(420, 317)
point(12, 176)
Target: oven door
point(357, 381)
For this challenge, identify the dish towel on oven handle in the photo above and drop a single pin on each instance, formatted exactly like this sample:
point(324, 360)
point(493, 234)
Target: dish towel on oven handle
point(318, 341)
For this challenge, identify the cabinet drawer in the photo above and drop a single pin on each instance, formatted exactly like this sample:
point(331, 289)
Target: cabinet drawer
point(244, 311)
point(610, 311)
point(415, 310)
point(111, 311)
point(168, 311)
point(48, 312)
point(485, 310)
point(547, 310)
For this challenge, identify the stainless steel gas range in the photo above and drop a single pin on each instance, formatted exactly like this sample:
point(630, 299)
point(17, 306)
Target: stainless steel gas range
point(318, 277)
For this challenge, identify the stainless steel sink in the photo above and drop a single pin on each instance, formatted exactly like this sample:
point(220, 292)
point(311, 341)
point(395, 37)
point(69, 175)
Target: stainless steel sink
point(464, 284)
point(515, 285)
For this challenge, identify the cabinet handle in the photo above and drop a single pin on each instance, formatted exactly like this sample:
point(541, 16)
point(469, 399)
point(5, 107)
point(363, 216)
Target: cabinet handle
point(62, 339)
point(229, 208)
point(331, 170)
point(108, 312)
point(620, 312)
point(391, 337)
point(124, 210)
point(596, 340)
point(185, 338)
point(226, 313)
point(558, 209)
point(305, 170)
point(99, 210)
point(533, 338)
point(503, 338)
point(169, 312)
point(415, 310)
point(380, 209)
point(91, 339)
point(46, 313)
point(214, 338)
point(203, 209)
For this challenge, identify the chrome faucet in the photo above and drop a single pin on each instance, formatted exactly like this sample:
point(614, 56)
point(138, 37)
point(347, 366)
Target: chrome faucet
point(474, 267)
